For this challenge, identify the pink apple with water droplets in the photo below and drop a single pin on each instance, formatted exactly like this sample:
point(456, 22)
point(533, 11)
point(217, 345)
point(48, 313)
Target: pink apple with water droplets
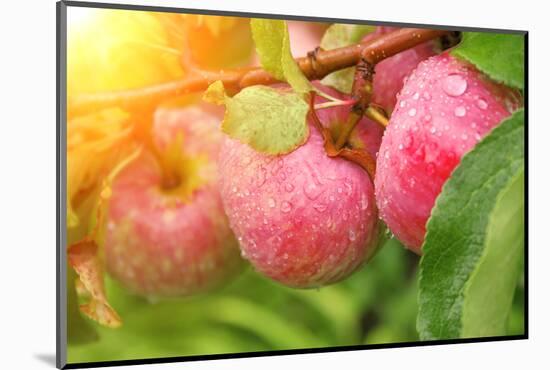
point(444, 109)
point(168, 241)
point(302, 219)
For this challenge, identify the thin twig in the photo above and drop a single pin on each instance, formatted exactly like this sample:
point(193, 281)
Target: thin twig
point(324, 63)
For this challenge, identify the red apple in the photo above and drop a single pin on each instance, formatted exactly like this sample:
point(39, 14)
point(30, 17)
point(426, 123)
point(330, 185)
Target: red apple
point(303, 219)
point(171, 238)
point(445, 108)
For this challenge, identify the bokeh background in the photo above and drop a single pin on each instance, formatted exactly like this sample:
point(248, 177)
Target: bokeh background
point(375, 305)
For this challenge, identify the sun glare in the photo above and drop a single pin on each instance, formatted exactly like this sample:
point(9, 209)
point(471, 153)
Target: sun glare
point(77, 17)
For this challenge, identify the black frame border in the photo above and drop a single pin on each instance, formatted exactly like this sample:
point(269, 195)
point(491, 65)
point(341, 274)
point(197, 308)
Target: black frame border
point(61, 119)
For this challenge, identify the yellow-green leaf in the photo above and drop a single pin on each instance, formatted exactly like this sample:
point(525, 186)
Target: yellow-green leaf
point(272, 121)
point(273, 46)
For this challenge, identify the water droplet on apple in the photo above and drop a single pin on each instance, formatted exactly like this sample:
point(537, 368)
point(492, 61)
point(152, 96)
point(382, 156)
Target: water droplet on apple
point(312, 190)
point(320, 207)
point(460, 111)
point(482, 104)
point(454, 85)
point(364, 202)
point(260, 180)
point(286, 207)
point(412, 112)
point(271, 202)
point(351, 235)
point(407, 142)
point(289, 187)
point(430, 168)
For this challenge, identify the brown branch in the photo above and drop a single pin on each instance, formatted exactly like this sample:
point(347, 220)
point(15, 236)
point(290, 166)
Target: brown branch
point(323, 63)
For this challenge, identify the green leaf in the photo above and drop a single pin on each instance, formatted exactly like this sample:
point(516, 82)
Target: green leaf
point(463, 248)
point(500, 56)
point(487, 305)
point(215, 93)
point(292, 72)
point(339, 35)
point(269, 37)
point(273, 46)
point(270, 120)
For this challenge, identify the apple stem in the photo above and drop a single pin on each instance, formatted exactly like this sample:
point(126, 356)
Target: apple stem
point(359, 156)
point(362, 88)
point(334, 104)
point(377, 115)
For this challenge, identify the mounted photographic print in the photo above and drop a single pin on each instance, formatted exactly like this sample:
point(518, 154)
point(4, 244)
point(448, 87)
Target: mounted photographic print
point(235, 185)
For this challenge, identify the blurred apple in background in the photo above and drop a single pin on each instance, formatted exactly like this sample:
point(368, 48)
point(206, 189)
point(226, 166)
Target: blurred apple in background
point(305, 36)
point(167, 234)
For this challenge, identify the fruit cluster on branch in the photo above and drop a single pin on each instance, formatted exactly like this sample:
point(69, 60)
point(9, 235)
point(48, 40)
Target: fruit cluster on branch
point(306, 217)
